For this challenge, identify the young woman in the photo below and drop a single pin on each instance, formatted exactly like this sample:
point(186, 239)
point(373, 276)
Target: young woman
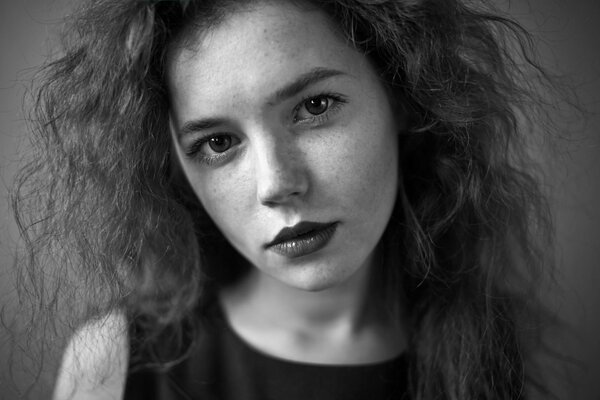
point(288, 199)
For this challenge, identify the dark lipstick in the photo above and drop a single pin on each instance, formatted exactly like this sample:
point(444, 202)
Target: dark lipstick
point(302, 239)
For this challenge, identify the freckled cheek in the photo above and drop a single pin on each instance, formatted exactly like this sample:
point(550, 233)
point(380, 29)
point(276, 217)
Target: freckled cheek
point(363, 166)
point(223, 195)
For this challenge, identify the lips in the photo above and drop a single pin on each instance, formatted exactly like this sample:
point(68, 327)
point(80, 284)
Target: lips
point(302, 239)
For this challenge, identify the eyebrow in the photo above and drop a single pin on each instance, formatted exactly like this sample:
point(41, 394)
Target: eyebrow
point(290, 90)
point(302, 82)
point(200, 125)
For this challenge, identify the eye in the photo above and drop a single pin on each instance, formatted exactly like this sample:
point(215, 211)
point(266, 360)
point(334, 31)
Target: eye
point(317, 105)
point(220, 144)
point(213, 148)
point(317, 109)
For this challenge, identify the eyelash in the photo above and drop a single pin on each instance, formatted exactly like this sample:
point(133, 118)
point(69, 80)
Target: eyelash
point(194, 151)
point(338, 101)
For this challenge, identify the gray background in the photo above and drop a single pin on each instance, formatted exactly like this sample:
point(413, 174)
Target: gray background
point(568, 33)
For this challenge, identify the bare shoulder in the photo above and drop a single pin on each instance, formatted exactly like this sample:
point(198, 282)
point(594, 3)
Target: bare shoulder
point(94, 365)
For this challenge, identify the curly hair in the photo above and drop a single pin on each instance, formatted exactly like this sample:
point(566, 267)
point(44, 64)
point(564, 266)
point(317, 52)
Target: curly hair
point(108, 221)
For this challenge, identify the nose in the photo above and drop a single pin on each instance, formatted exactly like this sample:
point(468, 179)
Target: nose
point(281, 175)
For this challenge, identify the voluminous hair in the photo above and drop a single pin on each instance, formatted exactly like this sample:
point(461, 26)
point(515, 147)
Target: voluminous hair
point(109, 223)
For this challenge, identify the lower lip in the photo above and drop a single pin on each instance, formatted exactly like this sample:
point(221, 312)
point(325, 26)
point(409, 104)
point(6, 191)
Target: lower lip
point(305, 244)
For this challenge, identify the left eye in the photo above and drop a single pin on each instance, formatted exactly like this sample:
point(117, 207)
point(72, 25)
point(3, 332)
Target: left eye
point(316, 105)
point(317, 109)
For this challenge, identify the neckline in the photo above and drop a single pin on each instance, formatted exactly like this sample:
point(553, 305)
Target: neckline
point(248, 348)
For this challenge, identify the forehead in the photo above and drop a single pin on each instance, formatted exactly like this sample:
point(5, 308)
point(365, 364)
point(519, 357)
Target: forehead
point(257, 46)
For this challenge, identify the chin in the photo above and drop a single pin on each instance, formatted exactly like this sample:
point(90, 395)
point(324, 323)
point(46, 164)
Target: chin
point(314, 285)
point(317, 280)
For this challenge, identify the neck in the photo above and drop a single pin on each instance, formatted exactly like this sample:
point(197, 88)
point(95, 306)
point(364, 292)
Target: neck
point(342, 324)
point(273, 303)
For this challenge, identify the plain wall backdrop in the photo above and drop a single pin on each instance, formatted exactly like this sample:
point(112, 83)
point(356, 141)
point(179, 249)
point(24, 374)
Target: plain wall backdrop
point(568, 33)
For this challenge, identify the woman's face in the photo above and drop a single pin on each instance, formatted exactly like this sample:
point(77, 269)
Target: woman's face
point(277, 121)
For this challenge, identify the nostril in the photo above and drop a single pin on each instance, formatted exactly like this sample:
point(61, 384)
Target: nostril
point(280, 172)
point(281, 186)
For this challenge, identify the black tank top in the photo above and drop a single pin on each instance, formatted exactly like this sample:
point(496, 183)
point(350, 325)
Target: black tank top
point(222, 366)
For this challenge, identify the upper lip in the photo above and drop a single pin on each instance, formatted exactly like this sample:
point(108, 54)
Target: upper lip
point(299, 229)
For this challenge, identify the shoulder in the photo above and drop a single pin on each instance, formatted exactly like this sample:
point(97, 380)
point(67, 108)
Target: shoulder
point(94, 364)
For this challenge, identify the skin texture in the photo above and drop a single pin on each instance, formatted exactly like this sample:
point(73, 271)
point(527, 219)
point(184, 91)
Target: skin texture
point(94, 365)
point(325, 153)
point(283, 167)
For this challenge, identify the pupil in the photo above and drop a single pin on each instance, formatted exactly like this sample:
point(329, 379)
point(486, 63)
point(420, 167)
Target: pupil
point(317, 105)
point(219, 144)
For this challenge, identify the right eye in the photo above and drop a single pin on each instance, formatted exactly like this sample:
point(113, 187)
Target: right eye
point(220, 144)
point(212, 148)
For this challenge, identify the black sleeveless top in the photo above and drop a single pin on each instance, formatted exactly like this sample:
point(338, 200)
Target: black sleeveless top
point(222, 366)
